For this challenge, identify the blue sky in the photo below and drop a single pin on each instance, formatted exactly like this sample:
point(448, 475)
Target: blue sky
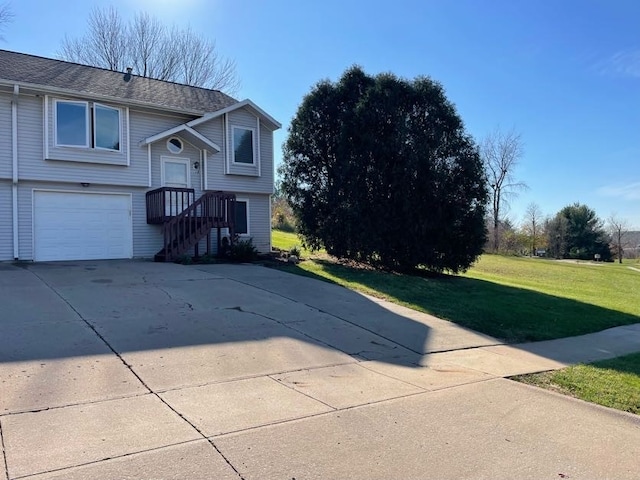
point(563, 73)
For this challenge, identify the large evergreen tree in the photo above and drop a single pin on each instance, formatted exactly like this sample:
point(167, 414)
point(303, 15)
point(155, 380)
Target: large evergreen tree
point(380, 169)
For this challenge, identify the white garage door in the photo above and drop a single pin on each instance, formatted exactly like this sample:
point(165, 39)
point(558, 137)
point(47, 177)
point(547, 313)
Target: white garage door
point(82, 226)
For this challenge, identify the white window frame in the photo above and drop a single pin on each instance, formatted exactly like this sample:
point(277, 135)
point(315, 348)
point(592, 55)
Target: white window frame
point(245, 200)
point(181, 143)
point(185, 161)
point(90, 119)
point(107, 107)
point(87, 120)
point(253, 146)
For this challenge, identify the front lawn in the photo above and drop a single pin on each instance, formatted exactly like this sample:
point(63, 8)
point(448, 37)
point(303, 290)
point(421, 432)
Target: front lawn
point(613, 383)
point(515, 299)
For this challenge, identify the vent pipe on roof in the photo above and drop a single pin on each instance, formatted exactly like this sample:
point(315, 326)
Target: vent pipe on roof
point(127, 76)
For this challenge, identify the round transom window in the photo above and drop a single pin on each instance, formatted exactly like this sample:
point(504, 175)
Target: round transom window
point(174, 145)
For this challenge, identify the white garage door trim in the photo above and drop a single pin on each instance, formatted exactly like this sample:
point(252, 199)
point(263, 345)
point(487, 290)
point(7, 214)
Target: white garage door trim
point(125, 249)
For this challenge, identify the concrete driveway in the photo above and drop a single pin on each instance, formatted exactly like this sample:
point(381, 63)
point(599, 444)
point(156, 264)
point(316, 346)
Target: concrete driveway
point(141, 370)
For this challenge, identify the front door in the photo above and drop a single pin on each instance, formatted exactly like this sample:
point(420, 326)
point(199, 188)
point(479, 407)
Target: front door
point(175, 173)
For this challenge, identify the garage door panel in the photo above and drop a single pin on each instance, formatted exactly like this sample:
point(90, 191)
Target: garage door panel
point(82, 226)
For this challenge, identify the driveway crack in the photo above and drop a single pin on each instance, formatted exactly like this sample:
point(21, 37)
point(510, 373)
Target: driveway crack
point(4, 452)
point(324, 312)
point(130, 368)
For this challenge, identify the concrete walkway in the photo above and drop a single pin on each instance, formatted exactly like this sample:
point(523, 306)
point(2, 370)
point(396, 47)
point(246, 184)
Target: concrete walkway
point(140, 370)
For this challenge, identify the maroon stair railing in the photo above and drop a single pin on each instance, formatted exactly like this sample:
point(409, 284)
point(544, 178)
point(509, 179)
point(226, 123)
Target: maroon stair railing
point(166, 202)
point(184, 230)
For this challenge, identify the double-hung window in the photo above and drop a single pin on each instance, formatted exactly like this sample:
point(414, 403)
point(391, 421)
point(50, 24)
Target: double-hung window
point(87, 125)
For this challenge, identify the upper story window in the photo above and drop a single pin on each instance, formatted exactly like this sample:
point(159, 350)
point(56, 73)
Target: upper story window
point(85, 125)
point(106, 127)
point(243, 145)
point(72, 122)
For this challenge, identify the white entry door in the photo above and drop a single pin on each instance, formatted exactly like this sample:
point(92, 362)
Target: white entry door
point(81, 226)
point(175, 173)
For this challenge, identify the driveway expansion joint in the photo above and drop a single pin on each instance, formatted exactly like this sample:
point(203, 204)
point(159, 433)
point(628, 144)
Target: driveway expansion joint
point(115, 457)
point(5, 465)
point(130, 368)
point(76, 404)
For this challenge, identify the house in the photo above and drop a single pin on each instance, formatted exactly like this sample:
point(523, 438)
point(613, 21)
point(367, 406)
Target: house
point(97, 164)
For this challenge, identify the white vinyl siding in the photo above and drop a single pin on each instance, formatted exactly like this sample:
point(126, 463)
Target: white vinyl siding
point(33, 165)
point(5, 136)
point(6, 224)
point(259, 221)
point(68, 174)
point(216, 162)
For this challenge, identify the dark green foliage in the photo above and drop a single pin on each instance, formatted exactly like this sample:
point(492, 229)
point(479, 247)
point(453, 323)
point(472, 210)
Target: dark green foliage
point(577, 232)
point(243, 251)
point(380, 170)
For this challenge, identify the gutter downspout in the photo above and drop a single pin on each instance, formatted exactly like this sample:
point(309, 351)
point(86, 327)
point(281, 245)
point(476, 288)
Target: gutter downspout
point(14, 183)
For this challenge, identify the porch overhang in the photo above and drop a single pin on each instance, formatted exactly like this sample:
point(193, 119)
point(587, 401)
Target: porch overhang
point(188, 134)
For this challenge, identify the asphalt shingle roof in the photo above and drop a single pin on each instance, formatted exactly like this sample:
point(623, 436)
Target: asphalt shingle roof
point(21, 67)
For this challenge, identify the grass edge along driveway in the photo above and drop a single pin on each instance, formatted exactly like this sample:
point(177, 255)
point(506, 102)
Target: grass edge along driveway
point(514, 299)
point(613, 383)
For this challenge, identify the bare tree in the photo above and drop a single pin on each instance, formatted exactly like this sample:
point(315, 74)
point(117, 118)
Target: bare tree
point(533, 218)
point(6, 16)
point(151, 50)
point(200, 64)
point(105, 45)
point(500, 154)
point(151, 53)
point(617, 229)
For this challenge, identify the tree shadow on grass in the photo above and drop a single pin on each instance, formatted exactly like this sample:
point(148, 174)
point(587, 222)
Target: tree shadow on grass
point(508, 313)
point(627, 364)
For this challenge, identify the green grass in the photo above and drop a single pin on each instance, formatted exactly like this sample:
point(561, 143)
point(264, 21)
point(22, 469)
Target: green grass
point(613, 383)
point(514, 299)
point(284, 240)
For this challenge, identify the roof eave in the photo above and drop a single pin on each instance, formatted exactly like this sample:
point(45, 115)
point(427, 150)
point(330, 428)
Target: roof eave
point(244, 103)
point(189, 134)
point(121, 100)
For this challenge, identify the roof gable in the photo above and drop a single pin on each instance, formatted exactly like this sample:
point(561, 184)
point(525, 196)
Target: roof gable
point(257, 111)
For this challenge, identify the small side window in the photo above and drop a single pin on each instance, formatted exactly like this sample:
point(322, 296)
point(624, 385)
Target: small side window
point(174, 145)
point(242, 217)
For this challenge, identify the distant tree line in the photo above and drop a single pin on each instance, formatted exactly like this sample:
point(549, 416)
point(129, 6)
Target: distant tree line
point(574, 232)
